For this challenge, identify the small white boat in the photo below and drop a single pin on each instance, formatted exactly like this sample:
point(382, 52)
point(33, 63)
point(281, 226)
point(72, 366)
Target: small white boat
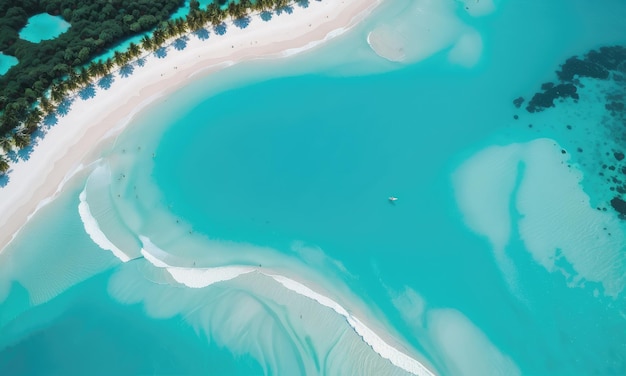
point(393, 199)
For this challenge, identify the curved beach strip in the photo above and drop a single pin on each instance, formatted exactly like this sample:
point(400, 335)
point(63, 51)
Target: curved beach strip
point(204, 277)
point(75, 138)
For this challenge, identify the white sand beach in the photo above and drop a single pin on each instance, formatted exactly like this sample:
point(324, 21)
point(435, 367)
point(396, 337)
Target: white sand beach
point(76, 139)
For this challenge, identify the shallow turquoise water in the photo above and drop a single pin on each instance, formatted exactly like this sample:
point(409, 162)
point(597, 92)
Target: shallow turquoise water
point(43, 27)
point(85, 338)
point(6, 62)
point(312, 159)
point(316, 159)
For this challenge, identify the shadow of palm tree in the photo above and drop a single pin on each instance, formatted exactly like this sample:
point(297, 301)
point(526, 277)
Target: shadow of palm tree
point(40, 133)
point(50, 120)
point(64, 107)
point(87, 92)
point(202, 34)
point(303, 3)
point(286, 9)
point(24, 153)
point(106, 82)
point(141, 61)
point(242, 22)
point(13, 157)
point(161, 52)
point(4, 179)
point(126, 70)
point(266, 16)
point(180, 43)
point(220, 29)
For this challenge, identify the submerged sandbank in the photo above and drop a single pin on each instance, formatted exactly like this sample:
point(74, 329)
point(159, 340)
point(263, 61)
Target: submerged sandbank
point(73, 140)
point(204, 277)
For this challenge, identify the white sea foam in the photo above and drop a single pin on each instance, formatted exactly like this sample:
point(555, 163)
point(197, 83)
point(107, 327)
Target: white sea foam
point(149, 251)
point(93, 229)
point(395, 356)
point(191, 277)
point(203, 277)
point(199, 278)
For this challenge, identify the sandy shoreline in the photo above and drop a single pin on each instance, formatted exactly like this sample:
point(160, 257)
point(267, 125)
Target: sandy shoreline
point(79, 135)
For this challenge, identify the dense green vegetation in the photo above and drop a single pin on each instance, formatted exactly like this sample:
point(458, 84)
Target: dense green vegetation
point(50, 70)
point(95, 26)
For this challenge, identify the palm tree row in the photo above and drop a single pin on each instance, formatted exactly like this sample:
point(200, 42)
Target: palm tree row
point(77, 79)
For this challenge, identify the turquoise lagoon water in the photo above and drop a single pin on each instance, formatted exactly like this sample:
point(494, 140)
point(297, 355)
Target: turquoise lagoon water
point(287, 166)
point(43, 27)
point(6, 62)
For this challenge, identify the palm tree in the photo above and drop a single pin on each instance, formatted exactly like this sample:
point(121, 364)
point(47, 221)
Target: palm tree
point(146, 43)
point(83, 76)
point(158, 37)
point(72, 79)
point(215, 14)
point(4, 165)
point(261, 5)
point(181, 26)
point(6, 143)
point(278, 4)
point(109, 64)
point(170, 29)
point(134, 50)
point(21, 139)
point(45, 104)
point(246, 4)
point(33, 119)
point(119, 58)
point(57, 93)
point(193, 21)
point(236, 10)
point(96, 69)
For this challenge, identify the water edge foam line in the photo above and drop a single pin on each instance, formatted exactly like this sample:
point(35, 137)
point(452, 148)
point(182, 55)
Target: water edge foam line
point(192, 277)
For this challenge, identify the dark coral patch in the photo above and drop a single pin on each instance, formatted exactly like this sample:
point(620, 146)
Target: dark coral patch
point(541, 101)
point(582, 68)
point(619, 205)
point(599, 64)
point(608, 57)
